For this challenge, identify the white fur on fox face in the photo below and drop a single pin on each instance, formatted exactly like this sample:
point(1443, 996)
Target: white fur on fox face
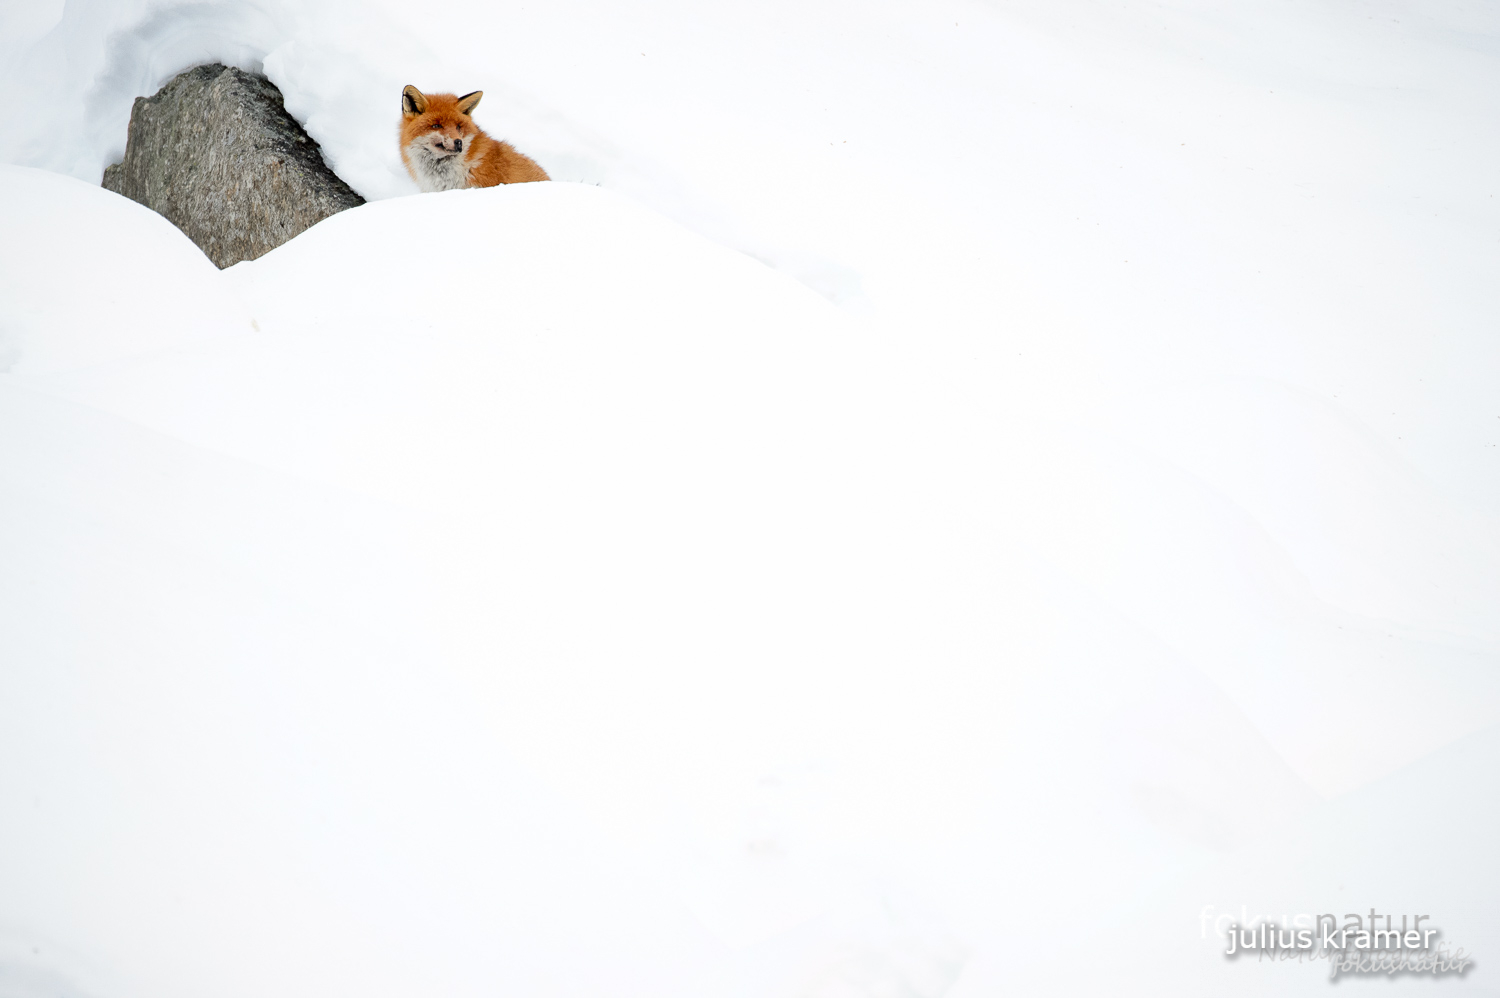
point(435, 168)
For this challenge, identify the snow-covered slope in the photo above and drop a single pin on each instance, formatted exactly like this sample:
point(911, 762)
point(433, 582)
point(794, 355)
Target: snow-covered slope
point(1087, 518)
point(133, 285)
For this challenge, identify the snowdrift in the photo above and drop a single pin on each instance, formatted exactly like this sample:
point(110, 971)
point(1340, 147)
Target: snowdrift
point(520, 590)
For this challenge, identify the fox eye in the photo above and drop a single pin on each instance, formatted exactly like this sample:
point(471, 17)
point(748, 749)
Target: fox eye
point(436, 125)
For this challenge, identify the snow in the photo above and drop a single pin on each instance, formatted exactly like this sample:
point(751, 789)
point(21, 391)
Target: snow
point(933, 498)
point(64, 300)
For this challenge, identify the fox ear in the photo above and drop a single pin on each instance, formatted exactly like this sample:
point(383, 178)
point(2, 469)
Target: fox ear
point(412, 101)
point(468, 102)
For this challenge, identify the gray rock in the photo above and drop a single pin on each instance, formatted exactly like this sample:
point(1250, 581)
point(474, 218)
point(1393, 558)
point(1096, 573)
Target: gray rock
point(216, 153)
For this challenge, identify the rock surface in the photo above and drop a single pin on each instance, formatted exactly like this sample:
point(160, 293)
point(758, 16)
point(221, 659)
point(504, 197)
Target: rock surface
point(216, 152)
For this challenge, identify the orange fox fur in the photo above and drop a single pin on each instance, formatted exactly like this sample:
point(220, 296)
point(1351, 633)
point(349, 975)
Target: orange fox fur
point(444, 150)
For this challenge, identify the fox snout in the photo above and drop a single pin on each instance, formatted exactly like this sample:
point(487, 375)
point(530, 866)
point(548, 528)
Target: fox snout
point(448, 145)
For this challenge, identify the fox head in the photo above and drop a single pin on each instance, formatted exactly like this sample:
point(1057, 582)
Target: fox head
point(437, 125)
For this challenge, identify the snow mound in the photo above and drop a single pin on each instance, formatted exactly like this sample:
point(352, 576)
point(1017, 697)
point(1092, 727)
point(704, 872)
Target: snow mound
point(88, 277)
point(457, 319)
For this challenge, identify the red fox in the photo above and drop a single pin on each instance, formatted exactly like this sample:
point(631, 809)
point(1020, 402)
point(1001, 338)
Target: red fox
point(444, 150)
